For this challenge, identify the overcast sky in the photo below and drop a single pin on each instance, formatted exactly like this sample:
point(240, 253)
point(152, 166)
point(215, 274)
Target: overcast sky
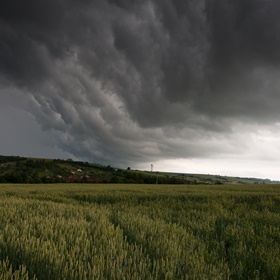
point(190, 86)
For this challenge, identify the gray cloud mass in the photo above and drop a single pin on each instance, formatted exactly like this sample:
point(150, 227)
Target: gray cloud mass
point(136, 81)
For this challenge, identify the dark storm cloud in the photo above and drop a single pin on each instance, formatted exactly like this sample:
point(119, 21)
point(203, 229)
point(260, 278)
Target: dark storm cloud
point(134, 80)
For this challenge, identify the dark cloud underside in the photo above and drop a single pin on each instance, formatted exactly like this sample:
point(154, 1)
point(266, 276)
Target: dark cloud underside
point(112, 79)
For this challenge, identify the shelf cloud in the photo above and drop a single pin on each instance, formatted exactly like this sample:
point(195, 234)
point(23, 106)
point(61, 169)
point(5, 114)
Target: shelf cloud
point(129, 82)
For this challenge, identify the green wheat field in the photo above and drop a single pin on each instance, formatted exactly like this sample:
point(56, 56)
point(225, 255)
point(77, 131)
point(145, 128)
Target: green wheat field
point(90, 231)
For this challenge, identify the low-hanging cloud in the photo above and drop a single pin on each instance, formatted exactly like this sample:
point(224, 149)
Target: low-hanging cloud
point(133, 81)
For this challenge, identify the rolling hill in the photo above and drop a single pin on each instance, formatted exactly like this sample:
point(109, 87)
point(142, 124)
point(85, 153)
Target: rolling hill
point(15, 169)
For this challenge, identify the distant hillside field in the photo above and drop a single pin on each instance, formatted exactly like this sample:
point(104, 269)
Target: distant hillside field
point(124, 231)
point(14, 169)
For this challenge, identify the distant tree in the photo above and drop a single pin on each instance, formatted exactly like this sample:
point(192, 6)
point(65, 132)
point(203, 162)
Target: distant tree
point(115, 179)
point(2, 179)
